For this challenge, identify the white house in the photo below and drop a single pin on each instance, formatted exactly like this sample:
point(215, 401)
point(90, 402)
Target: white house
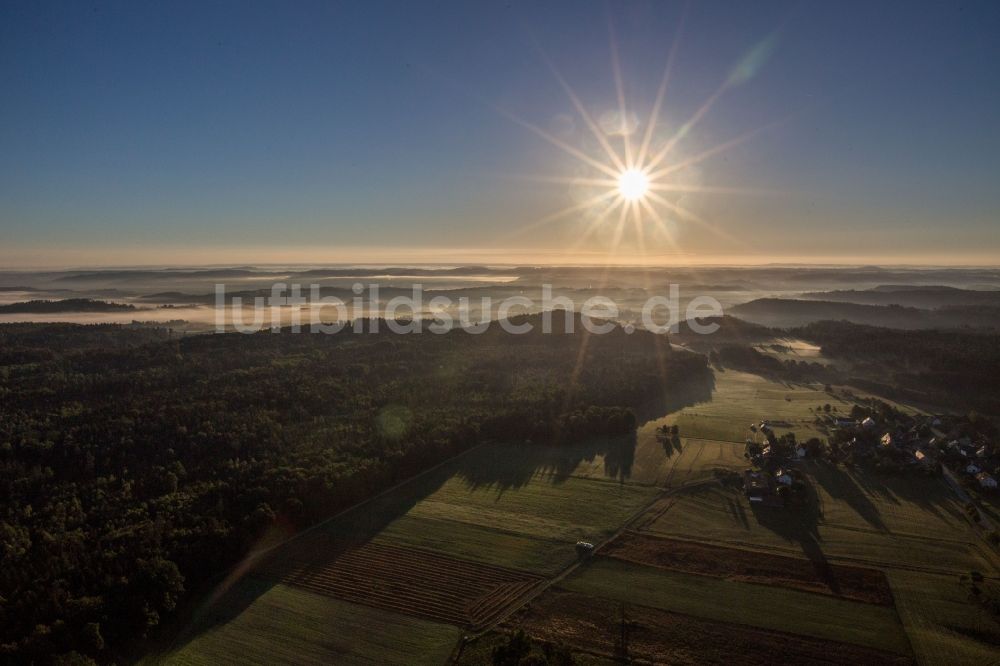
point(800, 451)
point(869, 422)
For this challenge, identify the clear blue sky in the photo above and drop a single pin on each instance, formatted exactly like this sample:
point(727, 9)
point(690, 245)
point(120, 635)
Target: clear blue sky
point(141, 132)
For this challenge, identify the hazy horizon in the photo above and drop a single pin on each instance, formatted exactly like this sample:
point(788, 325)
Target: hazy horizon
point(229, 259)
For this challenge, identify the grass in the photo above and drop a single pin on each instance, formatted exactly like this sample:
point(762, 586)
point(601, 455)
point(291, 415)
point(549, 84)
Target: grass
point(481, 544)
point(762, 606)
point(524, 507)
point(943, 625)
point(741, 398)
point(712, 433)
point(492, 505)
point(533, 527)
point(914, 506)
point(909, 536)
point(574, 509)
point(286, 625)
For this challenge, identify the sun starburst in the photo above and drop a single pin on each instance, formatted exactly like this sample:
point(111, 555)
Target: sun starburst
point(644, 183)
point(633, 184)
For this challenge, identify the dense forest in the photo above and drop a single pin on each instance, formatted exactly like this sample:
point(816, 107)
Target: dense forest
point(957, 367)
point(137, 466)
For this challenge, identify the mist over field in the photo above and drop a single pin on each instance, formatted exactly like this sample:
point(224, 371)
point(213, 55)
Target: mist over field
point(185, 298)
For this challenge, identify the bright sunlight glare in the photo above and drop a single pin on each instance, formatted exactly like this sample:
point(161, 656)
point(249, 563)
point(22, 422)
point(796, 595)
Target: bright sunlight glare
point(633, 184)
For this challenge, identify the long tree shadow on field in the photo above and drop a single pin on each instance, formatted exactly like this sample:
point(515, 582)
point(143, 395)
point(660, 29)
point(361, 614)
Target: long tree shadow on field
point(862, 489)
point(514, 465)
point(312, 549)
point(842, 486)
point(671, 444)
point(504, 466)
point(800, 524)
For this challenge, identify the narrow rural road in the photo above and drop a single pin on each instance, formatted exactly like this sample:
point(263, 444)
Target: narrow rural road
point(537, 591)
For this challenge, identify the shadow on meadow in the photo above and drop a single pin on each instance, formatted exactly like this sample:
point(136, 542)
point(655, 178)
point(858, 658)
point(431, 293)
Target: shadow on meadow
point(513, 465)
point(800, 524)
point(503, 467)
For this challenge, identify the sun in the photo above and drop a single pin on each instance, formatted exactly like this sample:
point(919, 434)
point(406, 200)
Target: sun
point(633, 184)
point(631, 171)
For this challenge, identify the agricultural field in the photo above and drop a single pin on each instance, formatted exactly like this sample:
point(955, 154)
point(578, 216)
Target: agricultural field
point(944, 627)
point(712, 433)
point(847, 582)
point(763, 606)
point(532, 526)
point(872, 528)
point(740, 399)
point(911, 528)
point(268, 624)
point(868, 570)
point(455, 548)
point(405, 580)
point(592, 625)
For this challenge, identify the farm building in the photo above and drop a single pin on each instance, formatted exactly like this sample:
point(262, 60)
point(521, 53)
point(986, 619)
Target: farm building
point(869, 422)
point(759, 488)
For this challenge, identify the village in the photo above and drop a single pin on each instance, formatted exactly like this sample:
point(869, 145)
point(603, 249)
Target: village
point(881, 437)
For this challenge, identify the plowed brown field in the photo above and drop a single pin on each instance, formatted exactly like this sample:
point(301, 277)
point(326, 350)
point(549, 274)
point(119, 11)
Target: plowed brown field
point(592, 624)
point(405, 580)
point(850, 582)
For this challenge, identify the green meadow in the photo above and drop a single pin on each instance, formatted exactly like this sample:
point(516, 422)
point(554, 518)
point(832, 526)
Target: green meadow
point(524, 506)
point(943, 626)
point(765, 606)
point(286, 625)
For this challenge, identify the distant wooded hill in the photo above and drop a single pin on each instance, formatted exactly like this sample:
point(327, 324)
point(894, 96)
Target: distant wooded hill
point(65, 305)
point(785, 313)
point(911, 296)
